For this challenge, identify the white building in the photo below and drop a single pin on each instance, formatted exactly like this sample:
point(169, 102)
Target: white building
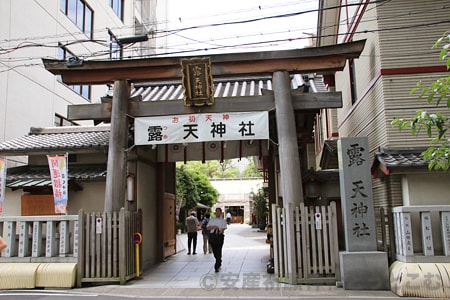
point(82, 29)
point(236, 196)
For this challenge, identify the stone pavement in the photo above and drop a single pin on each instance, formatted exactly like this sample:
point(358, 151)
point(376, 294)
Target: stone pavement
point(243, 274)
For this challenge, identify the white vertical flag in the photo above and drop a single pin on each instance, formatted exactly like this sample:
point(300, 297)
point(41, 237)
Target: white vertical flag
point(59, 176)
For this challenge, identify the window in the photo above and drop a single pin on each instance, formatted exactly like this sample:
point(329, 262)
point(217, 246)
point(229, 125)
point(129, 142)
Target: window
point(115, 51)
point(80, 13)
point(62, 121)
point(117, 6)
point(83, 90)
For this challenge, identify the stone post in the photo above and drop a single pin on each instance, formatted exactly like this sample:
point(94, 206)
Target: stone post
point(362, 267)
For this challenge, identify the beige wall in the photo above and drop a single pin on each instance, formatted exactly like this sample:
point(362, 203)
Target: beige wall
point(426, 189)
point(11, 204)
point(147, 201)
point(90, 199)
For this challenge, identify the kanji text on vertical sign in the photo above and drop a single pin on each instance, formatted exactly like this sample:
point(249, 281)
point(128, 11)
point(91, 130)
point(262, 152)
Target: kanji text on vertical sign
point(197, 81)
point(192, 128)
point(356, 194)
point(59, 176)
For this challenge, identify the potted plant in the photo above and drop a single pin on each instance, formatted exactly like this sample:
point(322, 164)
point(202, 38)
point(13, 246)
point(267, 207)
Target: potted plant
point(260, 208)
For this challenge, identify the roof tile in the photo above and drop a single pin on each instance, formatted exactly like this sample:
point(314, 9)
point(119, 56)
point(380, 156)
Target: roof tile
point(58, 139)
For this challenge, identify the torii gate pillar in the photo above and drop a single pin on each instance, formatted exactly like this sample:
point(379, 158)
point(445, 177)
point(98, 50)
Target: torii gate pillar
point(118, 143)
point(291, 181)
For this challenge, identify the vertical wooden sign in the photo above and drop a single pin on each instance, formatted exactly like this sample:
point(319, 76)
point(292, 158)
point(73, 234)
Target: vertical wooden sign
point(197, 81)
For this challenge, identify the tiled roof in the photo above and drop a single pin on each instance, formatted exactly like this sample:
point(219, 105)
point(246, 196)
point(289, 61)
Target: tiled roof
point(329, 157)
point(29, 176)
point(321, 175)
point(51, 139)
point(399, 159)
point(388, 160)
point(235, 87)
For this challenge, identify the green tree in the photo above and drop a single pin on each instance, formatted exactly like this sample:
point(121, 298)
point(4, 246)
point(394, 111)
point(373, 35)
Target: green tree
point(227, 170)
point(214, 168)
point(435, 124)
point(186, 188)
point(207, 193)
point(210, 168)
point(251, 171)
point(194, 187)
point(260, 207)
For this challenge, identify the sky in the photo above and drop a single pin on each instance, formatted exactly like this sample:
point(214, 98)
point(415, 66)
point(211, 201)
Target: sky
point(213, 33)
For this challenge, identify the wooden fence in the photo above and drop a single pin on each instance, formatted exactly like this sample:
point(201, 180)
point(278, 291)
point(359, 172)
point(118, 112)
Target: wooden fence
point(107, 249)
point(102, 244)
point(315, 245)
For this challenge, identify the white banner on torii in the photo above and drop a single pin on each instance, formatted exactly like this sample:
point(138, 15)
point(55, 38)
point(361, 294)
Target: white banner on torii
point(191, 128)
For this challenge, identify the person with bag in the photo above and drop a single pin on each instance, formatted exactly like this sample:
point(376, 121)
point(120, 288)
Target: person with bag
point(206, 245)
point(216, 227)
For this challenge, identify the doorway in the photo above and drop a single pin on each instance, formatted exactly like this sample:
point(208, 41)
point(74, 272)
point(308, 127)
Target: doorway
point(237, 213)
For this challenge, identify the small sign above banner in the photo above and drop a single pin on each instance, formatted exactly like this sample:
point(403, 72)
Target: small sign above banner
point(201, 128)
point(197, 81)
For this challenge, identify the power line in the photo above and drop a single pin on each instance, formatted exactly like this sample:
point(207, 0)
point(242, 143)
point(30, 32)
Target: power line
point(100, 53)
point(168, 32)
point(214, 46)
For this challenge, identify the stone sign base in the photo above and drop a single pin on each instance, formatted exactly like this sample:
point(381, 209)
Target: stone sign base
point(366, 270)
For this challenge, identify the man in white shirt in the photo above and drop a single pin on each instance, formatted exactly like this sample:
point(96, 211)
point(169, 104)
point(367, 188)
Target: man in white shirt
point(228, 218)
point(216, 227)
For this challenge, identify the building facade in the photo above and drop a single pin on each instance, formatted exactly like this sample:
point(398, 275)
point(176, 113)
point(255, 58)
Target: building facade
point(74, 30)
point(376, 89)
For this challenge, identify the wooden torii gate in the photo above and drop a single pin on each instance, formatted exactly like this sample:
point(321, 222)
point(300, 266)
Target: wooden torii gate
point(279, 64)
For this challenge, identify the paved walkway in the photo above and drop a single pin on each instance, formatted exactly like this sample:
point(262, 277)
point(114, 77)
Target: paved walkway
point(243, 274)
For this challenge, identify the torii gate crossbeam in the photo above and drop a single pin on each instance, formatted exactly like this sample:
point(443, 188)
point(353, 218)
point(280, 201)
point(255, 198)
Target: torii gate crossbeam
point(321, 60)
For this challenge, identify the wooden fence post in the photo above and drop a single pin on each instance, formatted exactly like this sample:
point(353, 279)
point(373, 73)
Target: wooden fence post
point(81, 247)
point(122, 247)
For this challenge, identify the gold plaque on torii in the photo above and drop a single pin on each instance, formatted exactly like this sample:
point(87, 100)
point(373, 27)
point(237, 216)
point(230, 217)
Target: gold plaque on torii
point(197, 81)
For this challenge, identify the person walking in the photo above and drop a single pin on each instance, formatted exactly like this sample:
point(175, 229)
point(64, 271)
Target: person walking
point(192, 227)
point(205, 233)
point(216, 227)
point(228, 218)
